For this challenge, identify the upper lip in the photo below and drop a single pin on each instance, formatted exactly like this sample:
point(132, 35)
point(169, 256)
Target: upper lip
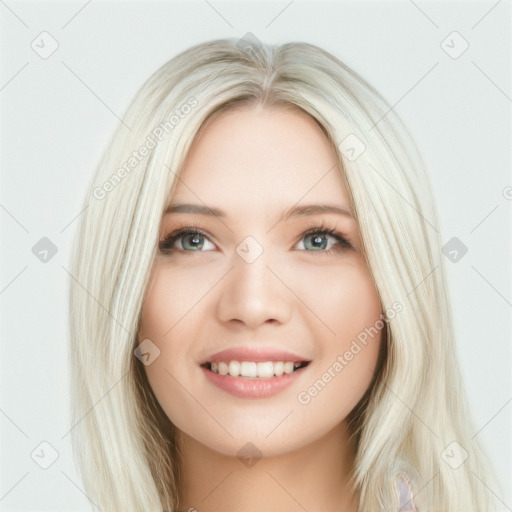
point(257, 354)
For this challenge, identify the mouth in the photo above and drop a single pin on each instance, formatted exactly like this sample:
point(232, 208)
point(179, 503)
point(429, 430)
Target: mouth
point(257, 370)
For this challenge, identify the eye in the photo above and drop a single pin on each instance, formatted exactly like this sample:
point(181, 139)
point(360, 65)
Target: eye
point(191, 240)
point(320, 239)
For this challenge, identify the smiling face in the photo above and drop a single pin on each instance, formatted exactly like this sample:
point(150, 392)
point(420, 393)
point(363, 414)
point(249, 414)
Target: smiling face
point(260, 279)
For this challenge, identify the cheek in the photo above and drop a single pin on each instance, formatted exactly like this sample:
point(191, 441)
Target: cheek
point(350, 335)
point(360, 311)
point(359, 330)
point(172, 296)
point(154, 323)
point(171, 313)
point(344, 300)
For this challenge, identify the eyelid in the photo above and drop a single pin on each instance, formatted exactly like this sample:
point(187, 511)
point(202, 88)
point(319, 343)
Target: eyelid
point(343, 241)
point(182, 230)
point(192, 226)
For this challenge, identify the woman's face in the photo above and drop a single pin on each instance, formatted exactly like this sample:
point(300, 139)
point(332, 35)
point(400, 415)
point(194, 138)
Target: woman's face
point(260, 282)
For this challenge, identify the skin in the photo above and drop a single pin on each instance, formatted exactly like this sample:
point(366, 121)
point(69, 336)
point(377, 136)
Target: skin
point(255, 163)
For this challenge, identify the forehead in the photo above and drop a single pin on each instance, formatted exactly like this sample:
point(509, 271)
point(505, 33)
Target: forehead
point(261, 155)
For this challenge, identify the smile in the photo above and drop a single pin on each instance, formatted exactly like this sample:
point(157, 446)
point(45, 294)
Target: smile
point(255, 370)
point(251, 379)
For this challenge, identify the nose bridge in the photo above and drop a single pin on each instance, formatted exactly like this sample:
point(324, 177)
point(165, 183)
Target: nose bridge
point(251, 268)
point(251, 292)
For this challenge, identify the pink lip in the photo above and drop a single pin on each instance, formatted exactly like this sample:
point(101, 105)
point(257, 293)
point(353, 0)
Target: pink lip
point(242, 387)
point(257, 354)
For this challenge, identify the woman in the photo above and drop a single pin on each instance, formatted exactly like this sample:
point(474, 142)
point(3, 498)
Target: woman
point(304, 359)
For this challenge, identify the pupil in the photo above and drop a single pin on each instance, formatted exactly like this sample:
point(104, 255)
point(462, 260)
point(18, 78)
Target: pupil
point(195, 239)
point(317, 240)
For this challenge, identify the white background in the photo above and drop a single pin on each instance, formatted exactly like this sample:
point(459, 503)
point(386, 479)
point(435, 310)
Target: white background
point(58, 113)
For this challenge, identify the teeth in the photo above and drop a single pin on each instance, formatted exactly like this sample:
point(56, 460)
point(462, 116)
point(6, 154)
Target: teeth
point(234, 368)
point(247, 369)
point(250, 369)
point(278, 369)
point(265, 370)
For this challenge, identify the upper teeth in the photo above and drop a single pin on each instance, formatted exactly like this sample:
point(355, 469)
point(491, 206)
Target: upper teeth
point(264, 370)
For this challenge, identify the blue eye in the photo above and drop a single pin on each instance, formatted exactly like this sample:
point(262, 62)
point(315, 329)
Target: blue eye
point(324, 233)
point(193, 240)
point(190, 238)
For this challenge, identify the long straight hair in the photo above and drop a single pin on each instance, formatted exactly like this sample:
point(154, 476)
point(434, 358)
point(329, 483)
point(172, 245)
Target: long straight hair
point(414, 417)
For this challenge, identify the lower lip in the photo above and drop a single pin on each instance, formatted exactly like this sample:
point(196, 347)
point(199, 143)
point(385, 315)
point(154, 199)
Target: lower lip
point(252, 388)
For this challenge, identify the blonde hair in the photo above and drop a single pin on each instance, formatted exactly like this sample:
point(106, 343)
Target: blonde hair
point(126, 448)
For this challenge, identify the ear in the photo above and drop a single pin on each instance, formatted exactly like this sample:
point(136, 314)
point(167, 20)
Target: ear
point(404, 497)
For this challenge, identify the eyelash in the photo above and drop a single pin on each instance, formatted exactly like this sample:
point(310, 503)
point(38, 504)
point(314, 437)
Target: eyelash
point(194, 229)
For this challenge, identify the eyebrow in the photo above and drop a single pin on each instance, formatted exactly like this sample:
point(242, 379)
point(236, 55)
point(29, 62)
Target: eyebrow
point(295, 211)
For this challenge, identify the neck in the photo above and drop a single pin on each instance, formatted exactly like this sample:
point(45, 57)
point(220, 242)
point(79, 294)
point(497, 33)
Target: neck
point(313, 477)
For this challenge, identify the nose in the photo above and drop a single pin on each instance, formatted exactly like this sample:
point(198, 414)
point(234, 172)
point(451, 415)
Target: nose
point(254, 294)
